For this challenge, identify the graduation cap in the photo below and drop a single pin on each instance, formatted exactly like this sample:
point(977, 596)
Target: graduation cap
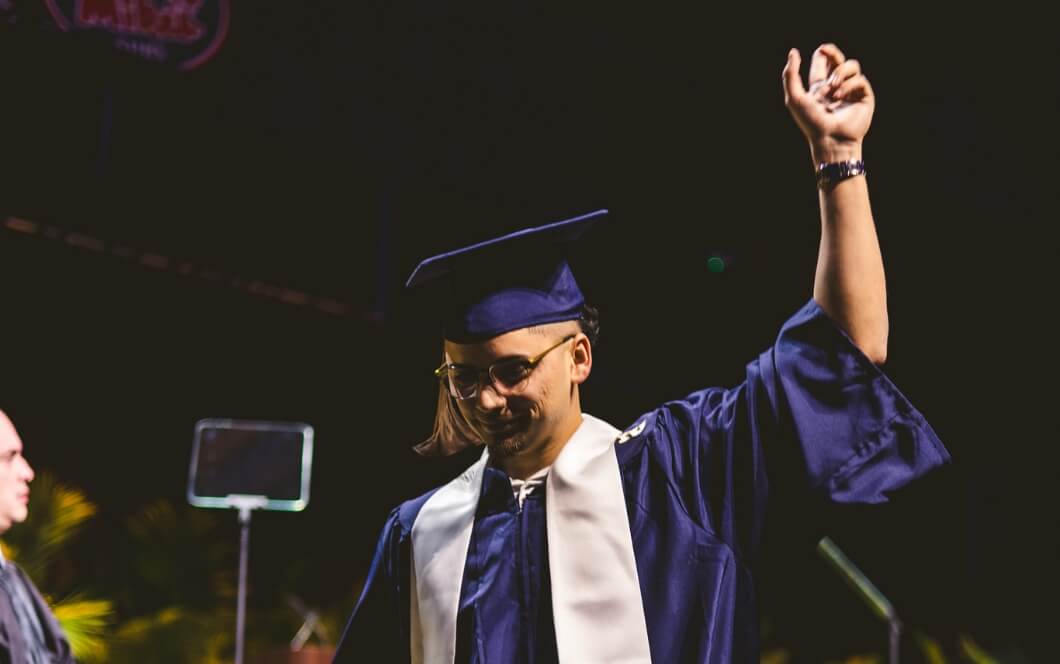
point(506, 283)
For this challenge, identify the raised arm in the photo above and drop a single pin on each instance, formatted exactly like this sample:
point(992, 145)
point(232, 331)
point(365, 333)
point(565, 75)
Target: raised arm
point(834, 115)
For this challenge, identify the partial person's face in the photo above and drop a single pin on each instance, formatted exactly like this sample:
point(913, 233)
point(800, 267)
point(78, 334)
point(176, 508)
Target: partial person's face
point(540, 411)
point(15, 476)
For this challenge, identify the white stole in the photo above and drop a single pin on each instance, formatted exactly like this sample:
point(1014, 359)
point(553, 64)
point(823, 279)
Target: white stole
point(596, 601)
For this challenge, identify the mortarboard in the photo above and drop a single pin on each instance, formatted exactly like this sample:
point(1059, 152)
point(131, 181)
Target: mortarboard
point(510, 282)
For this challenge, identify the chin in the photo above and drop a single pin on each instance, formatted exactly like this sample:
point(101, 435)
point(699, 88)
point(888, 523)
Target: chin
point(507, 447)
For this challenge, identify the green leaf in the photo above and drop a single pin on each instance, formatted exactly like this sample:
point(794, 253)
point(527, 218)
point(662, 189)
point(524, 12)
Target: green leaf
point(56, 514)
point(933, 653)
point(85, 623)
point(974, 653)
point(171, 636)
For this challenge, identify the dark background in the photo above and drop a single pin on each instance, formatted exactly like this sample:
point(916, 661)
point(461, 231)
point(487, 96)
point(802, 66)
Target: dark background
point(327, 148)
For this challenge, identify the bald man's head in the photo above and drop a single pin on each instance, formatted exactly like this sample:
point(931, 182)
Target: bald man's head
point(15, 476)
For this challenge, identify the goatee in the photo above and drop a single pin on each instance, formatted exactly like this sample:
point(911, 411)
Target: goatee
point(506, 447)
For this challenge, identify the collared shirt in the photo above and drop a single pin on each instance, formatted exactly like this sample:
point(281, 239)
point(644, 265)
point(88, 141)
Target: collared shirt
point(523, 488)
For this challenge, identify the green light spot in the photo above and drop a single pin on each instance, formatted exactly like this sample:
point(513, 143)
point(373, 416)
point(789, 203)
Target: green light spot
point(716, 264)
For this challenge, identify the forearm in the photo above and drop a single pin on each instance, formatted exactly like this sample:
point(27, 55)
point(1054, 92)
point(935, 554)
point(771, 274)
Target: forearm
point(849, 283)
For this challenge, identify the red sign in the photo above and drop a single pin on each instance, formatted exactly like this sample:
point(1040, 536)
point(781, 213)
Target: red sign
point(185, 33)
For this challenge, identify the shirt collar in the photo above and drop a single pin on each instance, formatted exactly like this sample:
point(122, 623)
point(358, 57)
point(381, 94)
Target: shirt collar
point(523, 488)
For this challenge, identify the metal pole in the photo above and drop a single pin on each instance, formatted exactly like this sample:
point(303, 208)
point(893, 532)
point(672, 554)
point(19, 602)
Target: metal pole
point(896, 636)
point(241, 602)
point(876, 601)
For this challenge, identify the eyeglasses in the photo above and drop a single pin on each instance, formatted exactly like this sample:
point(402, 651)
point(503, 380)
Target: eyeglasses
point(509, 374)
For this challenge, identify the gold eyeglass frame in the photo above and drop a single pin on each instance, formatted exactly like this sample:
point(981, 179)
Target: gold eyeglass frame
point(442, 372)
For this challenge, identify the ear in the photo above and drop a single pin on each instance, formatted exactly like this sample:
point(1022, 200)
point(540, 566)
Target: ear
point(582, 356)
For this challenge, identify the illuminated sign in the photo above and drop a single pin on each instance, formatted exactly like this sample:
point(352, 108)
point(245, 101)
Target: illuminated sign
point(184, 33)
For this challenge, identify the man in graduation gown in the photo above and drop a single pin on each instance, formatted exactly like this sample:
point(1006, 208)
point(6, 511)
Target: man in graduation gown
point(29, 633)
point(573, 541)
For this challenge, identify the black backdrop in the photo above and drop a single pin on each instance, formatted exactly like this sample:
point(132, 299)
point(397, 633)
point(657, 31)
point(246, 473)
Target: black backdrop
point(329, 149)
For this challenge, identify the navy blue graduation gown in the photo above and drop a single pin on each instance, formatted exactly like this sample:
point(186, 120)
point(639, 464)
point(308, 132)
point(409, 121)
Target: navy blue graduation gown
point(696, 488)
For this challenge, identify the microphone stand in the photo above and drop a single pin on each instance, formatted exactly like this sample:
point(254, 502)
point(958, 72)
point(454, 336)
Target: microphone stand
point(876, 601)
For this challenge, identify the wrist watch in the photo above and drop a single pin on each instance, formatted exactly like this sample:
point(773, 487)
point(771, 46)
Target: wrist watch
point(828, 173)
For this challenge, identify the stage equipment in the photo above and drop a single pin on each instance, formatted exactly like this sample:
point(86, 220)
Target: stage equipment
point(857, 580)
point(247, 465)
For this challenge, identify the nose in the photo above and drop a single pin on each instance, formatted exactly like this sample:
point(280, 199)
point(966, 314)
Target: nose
point(27, 471)
point(488, 398)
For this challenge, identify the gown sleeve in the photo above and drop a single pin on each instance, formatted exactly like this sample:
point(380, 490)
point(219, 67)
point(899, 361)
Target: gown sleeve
point(378, 629)
point(827, 420)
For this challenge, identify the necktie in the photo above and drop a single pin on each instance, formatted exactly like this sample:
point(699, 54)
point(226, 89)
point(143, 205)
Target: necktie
point(28, 623)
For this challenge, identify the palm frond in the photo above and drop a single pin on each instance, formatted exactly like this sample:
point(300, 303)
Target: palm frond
point(57, 513)
point(170, 636)
point(85, 623)
point(975, 654)
point(931, 649)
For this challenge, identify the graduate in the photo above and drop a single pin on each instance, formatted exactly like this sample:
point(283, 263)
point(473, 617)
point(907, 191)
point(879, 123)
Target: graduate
point(571, 540)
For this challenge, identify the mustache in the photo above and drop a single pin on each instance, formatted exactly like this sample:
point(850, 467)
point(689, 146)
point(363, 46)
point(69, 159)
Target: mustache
point(496, 420)
point(500, 423)
point(501, 415)
point(500, 419)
